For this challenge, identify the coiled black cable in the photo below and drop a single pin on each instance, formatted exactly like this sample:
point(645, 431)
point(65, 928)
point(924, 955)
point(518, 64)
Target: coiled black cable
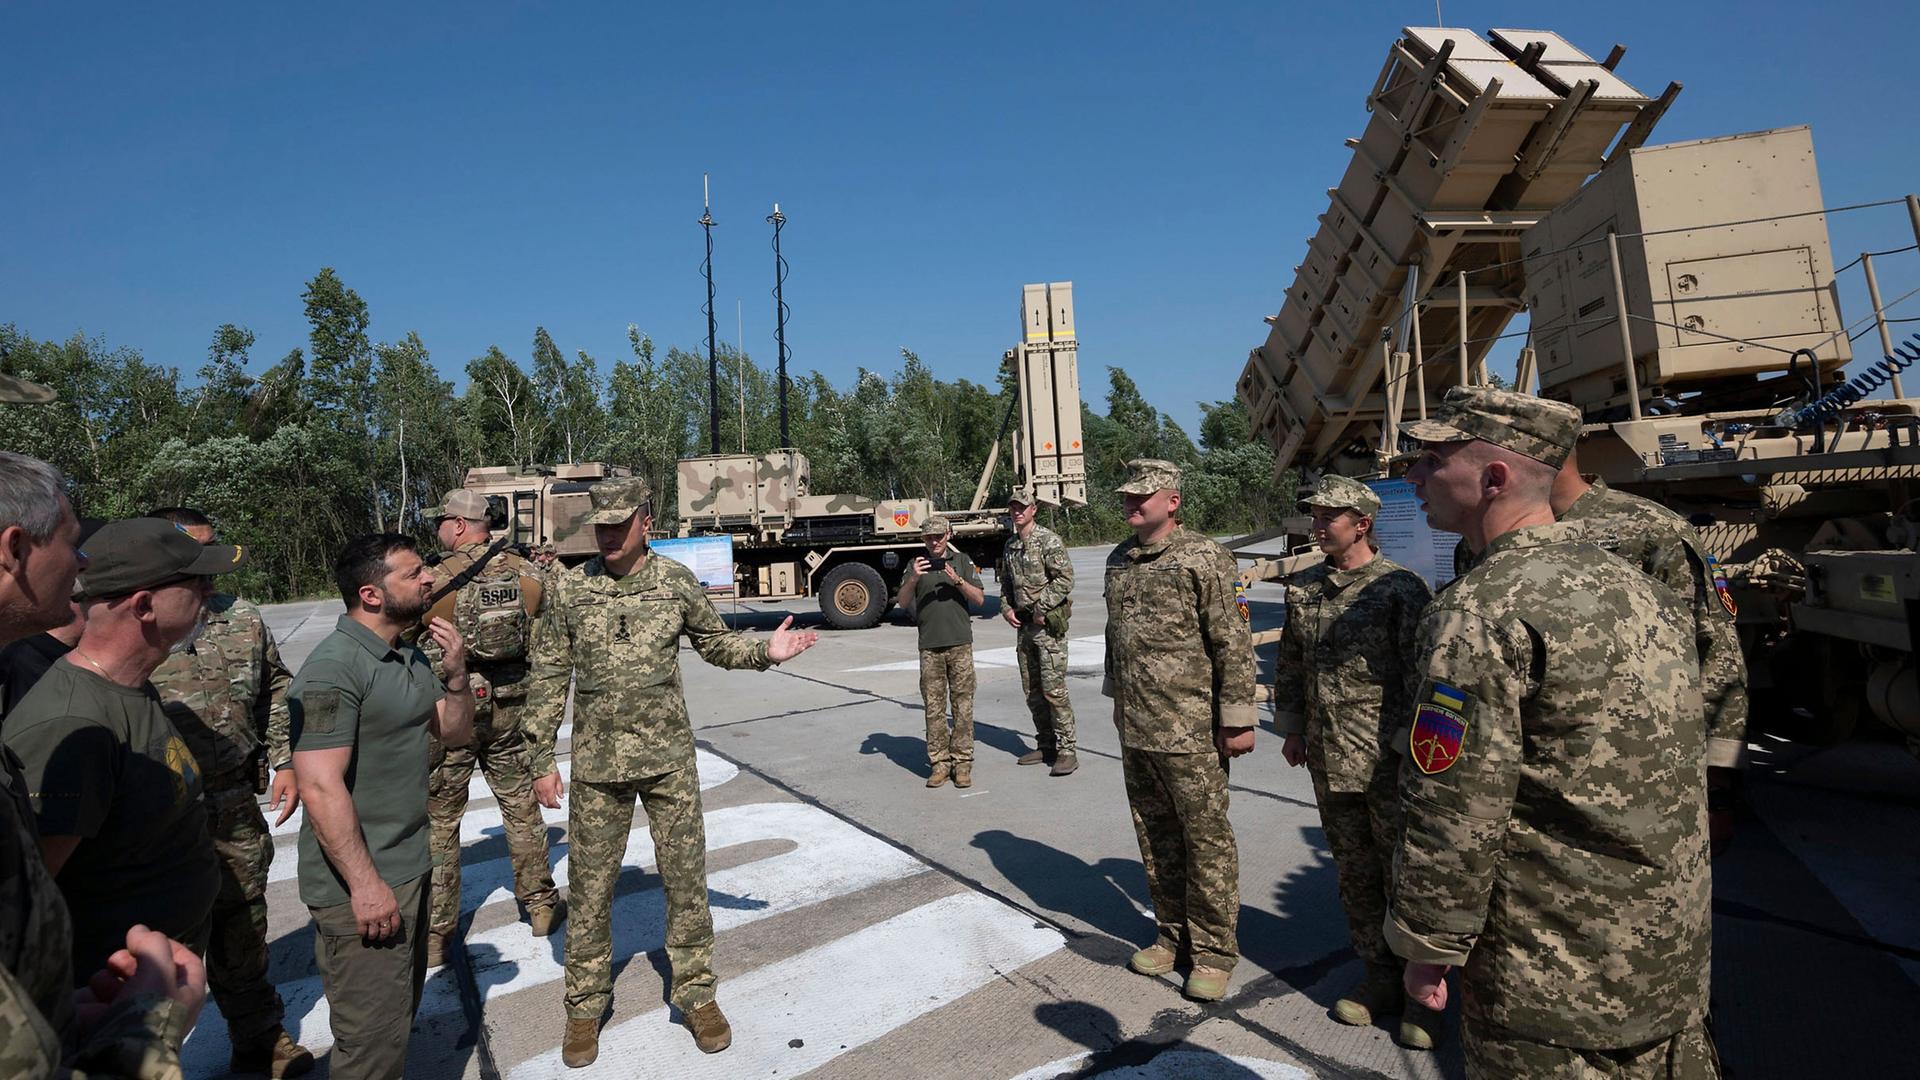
point(1854, 390)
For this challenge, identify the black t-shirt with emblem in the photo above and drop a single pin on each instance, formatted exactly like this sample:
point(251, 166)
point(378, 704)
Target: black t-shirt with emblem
point(102, 762)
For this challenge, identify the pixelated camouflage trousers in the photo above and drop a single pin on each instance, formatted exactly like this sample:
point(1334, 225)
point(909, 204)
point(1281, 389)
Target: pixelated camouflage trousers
point(599, 816)
point(946, 675)
point(500, 749)
point(237, 933)
point(1043, 675)
point(1179, 805)
point(1496, 1054)
point(1362, 829)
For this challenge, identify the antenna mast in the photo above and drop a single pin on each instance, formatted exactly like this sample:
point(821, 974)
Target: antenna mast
point(779, 220)
point(713, 356)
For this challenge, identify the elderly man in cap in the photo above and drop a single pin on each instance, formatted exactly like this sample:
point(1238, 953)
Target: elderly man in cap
point(1180, 672)
point(118, 795)
point(940, 589)
point(1036, 587)
point(494, 598)
point(1339, 693)
point(615, 634)
point(1555, 838)
point(226, 695)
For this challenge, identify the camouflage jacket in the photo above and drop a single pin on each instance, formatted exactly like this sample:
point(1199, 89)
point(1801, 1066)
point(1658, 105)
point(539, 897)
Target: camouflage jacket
point(227, 694)
point(140, 1035)
point(1035, 573)
point(619, 641)
point(1555, 839)
point(1345, 658)
point(1179, 657)
point(1664, 546)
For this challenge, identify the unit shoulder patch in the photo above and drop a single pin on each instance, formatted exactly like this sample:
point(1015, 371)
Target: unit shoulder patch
point(1439, 729)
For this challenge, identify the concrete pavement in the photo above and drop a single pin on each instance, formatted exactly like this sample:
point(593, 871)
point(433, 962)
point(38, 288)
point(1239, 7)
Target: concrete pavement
point(871, 927)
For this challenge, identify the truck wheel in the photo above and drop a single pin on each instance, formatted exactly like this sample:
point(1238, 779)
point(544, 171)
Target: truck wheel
point(852, 596)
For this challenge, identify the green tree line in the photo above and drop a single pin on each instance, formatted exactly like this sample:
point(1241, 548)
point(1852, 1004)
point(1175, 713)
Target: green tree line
point(348, 434)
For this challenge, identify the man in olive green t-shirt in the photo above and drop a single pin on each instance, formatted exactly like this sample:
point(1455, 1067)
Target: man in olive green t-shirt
point(939, 587)
point(360, 711)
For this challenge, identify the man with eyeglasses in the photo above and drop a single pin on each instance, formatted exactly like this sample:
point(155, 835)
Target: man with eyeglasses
point(116, 791)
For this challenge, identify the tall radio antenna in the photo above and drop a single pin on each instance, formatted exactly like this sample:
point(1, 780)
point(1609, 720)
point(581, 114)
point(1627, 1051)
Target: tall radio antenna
point(779, 221)
point(713, 356)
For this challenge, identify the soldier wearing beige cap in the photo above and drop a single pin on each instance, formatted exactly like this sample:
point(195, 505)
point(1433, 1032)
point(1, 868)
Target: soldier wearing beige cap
point(1339, 692)
point(1180, 672)
point(495, 598)
point(941, 588)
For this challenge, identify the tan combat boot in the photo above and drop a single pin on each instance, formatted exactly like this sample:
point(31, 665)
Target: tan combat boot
point(711, 1032)
point(276, 1055)
point(963, 775)
point(1378, 993)
point(940, 774)
point(1207, 984)
point(1065, 764)
point(547, 917)
point(1419, 1026)
point(581, 1044)
point(1036, 757)
point(1155, 959)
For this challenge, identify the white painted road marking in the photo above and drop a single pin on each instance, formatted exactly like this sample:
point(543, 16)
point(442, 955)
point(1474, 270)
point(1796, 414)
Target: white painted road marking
point(830, 859)
point(832, 998)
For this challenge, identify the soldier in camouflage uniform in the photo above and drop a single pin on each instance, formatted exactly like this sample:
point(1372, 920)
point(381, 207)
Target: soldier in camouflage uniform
point(1665, 547)
point(1036, 584)
point(226, 695)
point(139, 1033)
point(1340, 692)
point(1555, 835)
point(1180, 672)
point(941, 601)
point(615, 631)
point(495, 612)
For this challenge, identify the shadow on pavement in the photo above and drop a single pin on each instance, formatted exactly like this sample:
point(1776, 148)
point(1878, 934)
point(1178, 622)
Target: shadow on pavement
point(903, 750)
point(1097, 1029)
point(1100, 895)
point(1006, 740)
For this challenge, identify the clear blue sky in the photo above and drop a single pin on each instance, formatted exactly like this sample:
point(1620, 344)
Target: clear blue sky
point(477, 170)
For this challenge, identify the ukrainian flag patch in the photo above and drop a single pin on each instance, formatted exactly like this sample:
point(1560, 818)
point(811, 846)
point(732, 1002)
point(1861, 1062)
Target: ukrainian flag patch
point(1447, 697)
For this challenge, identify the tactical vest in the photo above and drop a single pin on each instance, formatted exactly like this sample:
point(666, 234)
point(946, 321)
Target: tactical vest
point(494, 611)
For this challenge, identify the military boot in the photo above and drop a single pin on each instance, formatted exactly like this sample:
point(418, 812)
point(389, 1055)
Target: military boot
point(711, 1032)
point(1155, 959)
point(275, 1055)
point(1038, 755)
point(1419, 1026)
point(1378, 993)
point(581, 1044)
point(547, 917)
point(1207, 984)
point(963, 775)
point(940, 774)
point(1065, 764)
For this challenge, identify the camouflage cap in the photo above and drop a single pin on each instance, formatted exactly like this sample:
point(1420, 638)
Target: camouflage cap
point(124, 557)
point(1345, 493)
point(1541, 429)
point(1148, 475)
point(18, 391)
point(614, 501)
point(936, 526)
point(1021, 495)
point(460, 503)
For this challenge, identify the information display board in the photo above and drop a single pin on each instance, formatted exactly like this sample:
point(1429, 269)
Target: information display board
point(709, 557)
point(1406, 538)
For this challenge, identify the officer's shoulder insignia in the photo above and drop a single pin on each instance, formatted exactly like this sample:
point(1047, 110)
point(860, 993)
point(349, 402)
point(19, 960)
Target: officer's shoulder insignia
point(1439, 729)
point(1720, 586)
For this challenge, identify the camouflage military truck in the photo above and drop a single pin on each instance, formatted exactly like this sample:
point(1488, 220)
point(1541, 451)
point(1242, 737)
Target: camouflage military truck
point(543, 505)
point(851, 550)
point(1685, 297)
